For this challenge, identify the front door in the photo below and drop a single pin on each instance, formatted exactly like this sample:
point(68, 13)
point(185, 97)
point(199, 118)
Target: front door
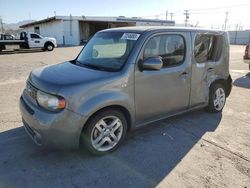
point(35, 41)
point(159, 93)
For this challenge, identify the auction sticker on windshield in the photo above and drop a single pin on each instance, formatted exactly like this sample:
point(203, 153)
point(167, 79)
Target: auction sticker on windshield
point(130, 36)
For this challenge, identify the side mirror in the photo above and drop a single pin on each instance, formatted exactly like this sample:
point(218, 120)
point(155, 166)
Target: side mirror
point(153, 63)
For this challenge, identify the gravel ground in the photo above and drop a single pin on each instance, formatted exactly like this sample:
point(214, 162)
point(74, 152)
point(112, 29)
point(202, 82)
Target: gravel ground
point(196, 149)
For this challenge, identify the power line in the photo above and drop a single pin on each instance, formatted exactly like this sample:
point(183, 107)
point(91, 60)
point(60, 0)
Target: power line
point(196, 11)
point(223, 7)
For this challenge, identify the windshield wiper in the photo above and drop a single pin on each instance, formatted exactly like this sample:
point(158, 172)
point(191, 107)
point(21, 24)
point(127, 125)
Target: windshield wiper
point(93, 66)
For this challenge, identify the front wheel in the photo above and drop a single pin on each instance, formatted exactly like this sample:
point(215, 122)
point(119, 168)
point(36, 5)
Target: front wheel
point(104, 132)
point(49, 47)
point(217, 98)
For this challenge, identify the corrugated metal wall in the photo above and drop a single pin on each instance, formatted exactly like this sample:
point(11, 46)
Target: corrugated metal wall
point(239, 37)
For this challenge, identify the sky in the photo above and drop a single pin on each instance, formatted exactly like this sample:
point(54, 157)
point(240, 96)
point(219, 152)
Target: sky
point(209, 13)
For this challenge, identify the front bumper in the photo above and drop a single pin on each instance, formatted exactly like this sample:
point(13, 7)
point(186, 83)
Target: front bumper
point(60, 129)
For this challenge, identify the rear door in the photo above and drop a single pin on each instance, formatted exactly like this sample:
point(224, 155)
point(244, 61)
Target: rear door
point(205, 65)
point(162, 92)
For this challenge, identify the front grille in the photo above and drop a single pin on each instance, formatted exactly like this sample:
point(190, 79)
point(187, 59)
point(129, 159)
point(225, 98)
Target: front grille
point(31, 90)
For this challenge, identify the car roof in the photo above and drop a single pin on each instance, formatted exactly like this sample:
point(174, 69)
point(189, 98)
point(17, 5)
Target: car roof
point(142, 29)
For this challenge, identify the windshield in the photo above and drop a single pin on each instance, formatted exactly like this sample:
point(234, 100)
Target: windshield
point(107, 51)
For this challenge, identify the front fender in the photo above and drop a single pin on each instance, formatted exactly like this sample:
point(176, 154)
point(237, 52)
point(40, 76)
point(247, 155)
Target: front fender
point(106, 99)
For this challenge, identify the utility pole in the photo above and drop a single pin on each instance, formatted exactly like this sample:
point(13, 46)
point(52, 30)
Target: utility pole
point(186, 13)
point(171, 16)
point(249, 38)
point(70, 24)
point(1, 24)
point(236, 32)
point(166, 15)
point(226, 20)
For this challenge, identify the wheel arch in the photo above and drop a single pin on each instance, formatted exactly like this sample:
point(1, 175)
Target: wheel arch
point(227, 83)
point(120, 108)
point(47, 43)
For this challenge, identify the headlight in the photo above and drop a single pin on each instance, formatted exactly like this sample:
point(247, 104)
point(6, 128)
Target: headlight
point(50, 102)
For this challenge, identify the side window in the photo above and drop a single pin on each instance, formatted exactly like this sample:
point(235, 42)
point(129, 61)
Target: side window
point(208, 47)
point(9, 37)
point(171, 48)
point(34, 36)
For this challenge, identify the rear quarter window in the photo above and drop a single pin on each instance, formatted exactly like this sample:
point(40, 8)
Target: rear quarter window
point(208, 47)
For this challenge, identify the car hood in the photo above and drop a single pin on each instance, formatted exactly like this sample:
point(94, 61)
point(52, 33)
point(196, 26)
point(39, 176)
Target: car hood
point(50, 38)
point(54, 77)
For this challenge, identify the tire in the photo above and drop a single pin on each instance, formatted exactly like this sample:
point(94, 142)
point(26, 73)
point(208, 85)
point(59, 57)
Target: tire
point(49, 47)
point(99, 136)
point(217, 98)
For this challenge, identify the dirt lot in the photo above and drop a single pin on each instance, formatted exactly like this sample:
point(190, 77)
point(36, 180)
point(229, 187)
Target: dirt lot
point(197, 149)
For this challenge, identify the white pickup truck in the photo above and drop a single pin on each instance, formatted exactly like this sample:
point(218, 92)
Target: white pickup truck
point(27, 40)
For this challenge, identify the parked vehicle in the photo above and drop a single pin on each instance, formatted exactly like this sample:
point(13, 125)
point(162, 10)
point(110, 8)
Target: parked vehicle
point(122, 79)
point(27, 41)
point(246, 56)
point(7, 37)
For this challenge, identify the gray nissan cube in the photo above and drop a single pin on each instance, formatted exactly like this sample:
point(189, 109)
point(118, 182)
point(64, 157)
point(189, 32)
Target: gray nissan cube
point(122, 79)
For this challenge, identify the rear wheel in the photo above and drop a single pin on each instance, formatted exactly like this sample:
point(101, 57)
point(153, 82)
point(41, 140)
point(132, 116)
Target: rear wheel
point(104, 132)
point(217, 98)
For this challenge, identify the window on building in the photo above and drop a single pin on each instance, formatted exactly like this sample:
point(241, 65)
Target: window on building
point(35, 36)
point(171, 48)
point(37, 29)
point(208, 47)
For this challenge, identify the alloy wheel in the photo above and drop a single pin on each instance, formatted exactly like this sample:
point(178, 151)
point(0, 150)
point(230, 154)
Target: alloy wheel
point(219, 99)
point(106, 133)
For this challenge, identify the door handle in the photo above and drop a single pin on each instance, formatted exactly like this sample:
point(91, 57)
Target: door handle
point(210, 69)
point(184, 75)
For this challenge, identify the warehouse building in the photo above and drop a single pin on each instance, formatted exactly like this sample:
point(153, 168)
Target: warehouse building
point(73, 30)
point(239, 37)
